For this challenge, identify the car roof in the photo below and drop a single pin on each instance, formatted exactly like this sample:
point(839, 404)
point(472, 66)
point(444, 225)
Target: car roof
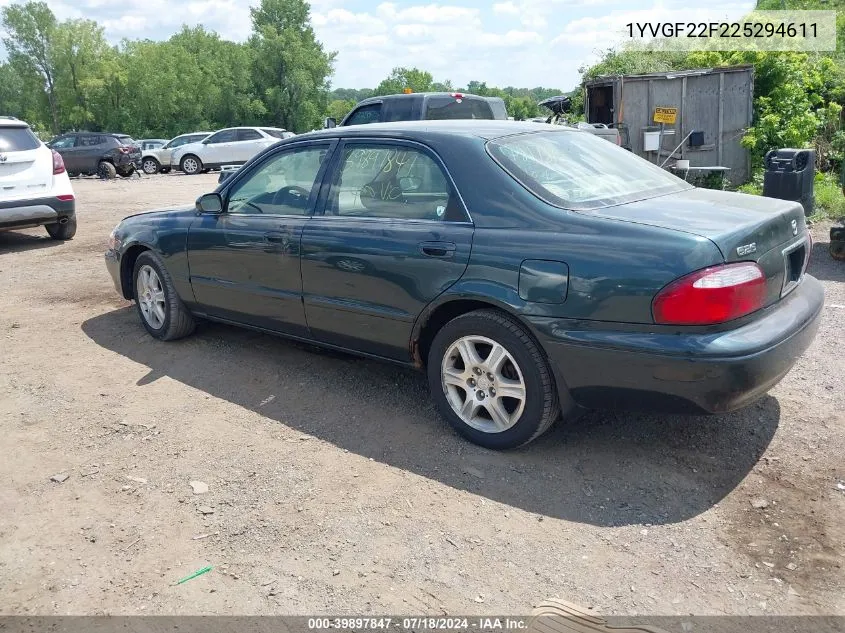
point(12, 122)
point(485, 129)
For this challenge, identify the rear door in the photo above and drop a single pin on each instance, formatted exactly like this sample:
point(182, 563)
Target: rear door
point(26, 166)
point(88, 151)
point(249, 142)
point(392, 236)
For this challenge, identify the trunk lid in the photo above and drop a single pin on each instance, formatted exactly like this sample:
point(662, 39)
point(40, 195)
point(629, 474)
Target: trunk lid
point(26, 174)
point(772, 233)
point(743, 227)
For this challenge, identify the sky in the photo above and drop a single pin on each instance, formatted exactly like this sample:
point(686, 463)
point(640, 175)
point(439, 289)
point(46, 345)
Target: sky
point(522, 43)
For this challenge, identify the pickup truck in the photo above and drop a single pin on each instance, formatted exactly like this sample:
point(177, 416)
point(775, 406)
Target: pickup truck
point(560, 107)
point(419, 106)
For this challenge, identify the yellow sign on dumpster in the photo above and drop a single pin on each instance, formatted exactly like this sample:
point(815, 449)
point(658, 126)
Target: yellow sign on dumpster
point(665, 115)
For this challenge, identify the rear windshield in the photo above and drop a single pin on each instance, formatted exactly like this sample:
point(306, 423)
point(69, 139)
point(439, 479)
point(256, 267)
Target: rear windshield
point(274, 133)
point(577, 170)
point(446, 107)
point(17, 139)
point(126, 140)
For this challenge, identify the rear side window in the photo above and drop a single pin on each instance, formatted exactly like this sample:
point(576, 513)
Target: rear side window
point(391, 181)
point(17, 139)
point(401, 109)
point(89, 140)
point(365, 114)
point(446, 107)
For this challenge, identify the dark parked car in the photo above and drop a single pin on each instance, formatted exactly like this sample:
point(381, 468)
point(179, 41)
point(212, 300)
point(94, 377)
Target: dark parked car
point(531, 270)
point(420, 106)
point(101, 153)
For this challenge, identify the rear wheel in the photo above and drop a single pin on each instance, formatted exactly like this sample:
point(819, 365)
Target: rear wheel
point(126, 172)
point(161, 310)
point(191, 165)
point(490, 380)
point(64, 231)
point(106, 170)
point(151, 166)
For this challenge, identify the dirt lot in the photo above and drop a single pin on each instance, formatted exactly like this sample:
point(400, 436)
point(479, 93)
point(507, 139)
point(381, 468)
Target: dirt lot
point(333, 487)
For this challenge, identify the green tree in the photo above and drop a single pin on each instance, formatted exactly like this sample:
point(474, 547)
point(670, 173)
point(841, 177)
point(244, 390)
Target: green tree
point(402, 78)
point(290, 67)
point(339, 108)
point(31, 29)
point(79, 48)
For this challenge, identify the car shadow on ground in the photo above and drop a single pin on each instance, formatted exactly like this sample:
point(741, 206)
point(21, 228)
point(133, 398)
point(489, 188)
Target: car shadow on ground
point(823, 266)
point(14, 242)
point(602, 469)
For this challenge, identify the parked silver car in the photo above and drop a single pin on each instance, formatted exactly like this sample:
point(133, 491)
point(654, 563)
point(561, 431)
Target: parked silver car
point(156, 160)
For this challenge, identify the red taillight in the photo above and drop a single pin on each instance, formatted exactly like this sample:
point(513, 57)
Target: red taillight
point(124, 149)
point(458, 95)
point(65, 197)
point(712, 295)
point(58, 163)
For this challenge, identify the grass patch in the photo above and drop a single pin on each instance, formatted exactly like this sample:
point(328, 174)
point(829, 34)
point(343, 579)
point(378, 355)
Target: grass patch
point(830, 201)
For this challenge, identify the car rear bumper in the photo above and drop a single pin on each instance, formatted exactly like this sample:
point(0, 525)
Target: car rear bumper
point(685, 373)
point(23, 213)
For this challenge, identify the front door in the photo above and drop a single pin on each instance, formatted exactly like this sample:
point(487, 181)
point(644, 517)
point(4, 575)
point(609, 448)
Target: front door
point(218, 148)
point(393, 235)
point(244, 262)
point(65, 145)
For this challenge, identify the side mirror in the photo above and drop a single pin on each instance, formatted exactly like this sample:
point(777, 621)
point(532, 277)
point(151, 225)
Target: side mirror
point(329, 122)
point(211, 203)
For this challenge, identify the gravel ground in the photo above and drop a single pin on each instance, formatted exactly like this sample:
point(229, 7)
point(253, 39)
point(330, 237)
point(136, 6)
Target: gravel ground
point(333, 487)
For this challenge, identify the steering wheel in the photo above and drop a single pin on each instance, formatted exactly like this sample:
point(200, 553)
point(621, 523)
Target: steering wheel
point(291, 196)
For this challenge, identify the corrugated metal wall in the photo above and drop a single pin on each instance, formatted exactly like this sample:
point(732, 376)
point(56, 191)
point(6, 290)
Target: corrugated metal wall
point(717, 102)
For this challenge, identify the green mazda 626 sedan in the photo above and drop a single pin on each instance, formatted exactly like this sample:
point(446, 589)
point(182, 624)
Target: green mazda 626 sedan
point(530, 270)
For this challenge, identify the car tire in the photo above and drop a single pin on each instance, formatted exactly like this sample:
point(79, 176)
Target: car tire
point(106, 170)
point(64, 231)
point(164, 170)
point(191, 165)
point(465, 395)
point(151, 166)
point(161, 310)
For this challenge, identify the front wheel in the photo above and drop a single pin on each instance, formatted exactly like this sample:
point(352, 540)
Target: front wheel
point(191, 165)
point(490, 380)
point(161, 310)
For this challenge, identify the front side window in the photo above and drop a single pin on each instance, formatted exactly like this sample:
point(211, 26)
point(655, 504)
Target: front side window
point(63, 142)
point(576, 170)
point(392, 181)
point(281, 185)
point(223, 136)
point(366, 114)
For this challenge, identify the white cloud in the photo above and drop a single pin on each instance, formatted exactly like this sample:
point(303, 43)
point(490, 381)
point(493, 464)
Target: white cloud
point(505, 8)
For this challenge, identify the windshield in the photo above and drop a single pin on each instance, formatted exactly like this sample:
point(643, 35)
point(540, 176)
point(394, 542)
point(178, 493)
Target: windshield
point(577, 170)
point(274, 133)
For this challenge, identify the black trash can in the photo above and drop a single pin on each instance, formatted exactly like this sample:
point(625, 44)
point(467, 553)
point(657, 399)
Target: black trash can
point(789, 175)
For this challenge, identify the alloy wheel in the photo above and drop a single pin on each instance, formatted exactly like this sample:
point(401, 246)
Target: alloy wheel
point(483, 384)
point(190, 166)
point(150, 293)
point(150, 167)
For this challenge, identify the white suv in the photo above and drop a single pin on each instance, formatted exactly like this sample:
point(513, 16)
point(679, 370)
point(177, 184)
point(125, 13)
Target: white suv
point(231, 146)
point(158, 159)
point(34, 186)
